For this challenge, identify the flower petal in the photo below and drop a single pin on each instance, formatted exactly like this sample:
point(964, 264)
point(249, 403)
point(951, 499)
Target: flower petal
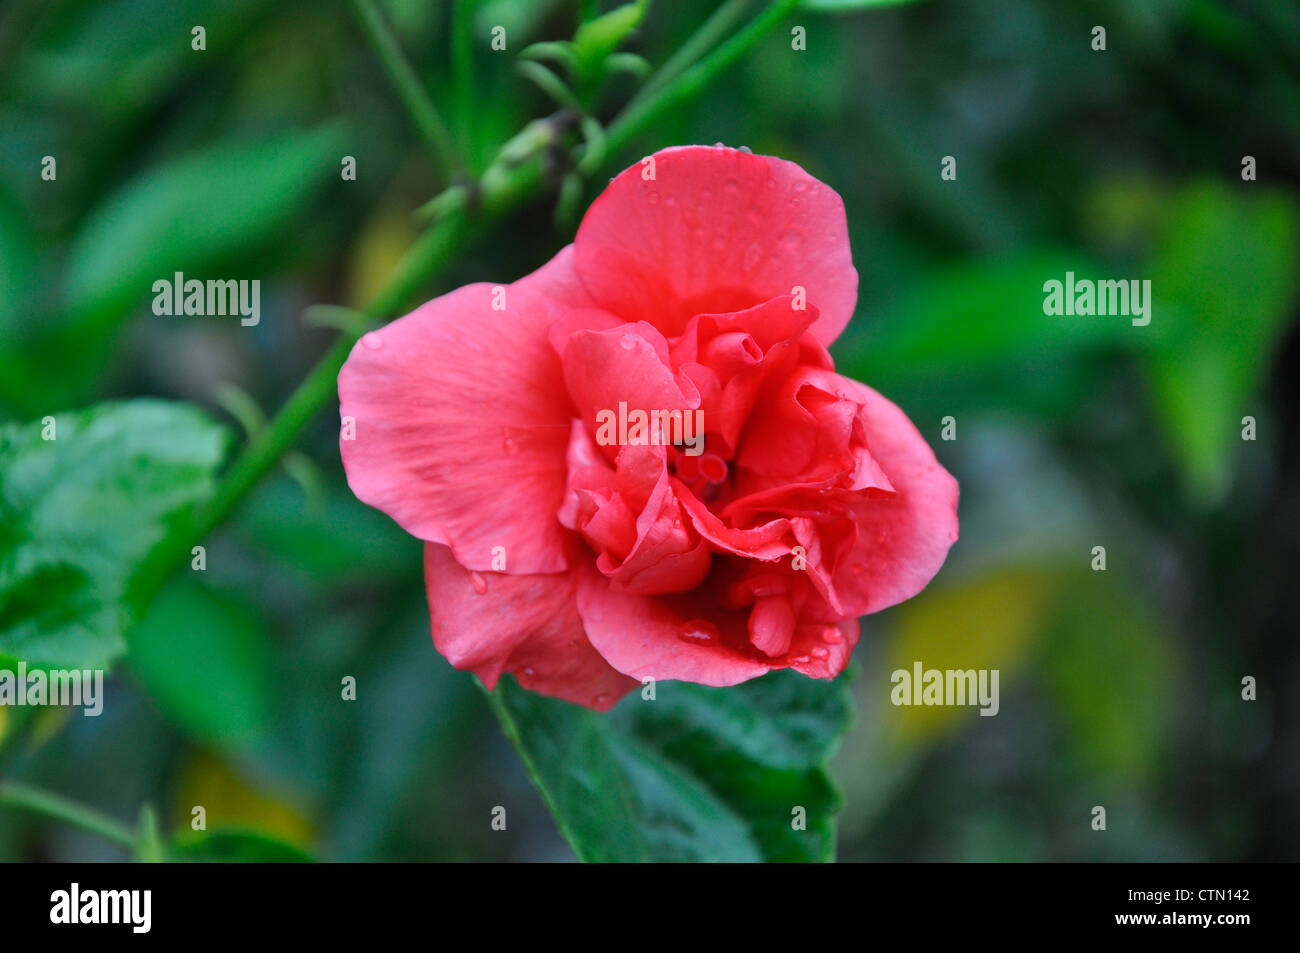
point(903, 538)
point(649, 636)
point(455, 403)
point(716, 230)
point(491, 623)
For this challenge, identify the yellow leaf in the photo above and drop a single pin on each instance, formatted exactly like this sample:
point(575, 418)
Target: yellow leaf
point(383, 241)
point(230, 801)
point(986, 623)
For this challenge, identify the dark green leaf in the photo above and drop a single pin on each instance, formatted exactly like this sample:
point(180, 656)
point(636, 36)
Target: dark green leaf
point(713, 774)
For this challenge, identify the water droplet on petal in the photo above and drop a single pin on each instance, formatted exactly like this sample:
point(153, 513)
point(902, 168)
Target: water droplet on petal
point(628, 342)
point(372, 340)
point(478, 582)
point(745, 149)
point(800, 185)
point(819, 652)
point(529, 672)
point(508, 443)
point(602, 699)
point(699, 632)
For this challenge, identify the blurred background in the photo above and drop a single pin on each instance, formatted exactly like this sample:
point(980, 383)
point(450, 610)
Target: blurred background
point(1119, 688)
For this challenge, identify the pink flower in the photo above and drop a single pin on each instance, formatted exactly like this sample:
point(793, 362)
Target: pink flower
point(703, 281)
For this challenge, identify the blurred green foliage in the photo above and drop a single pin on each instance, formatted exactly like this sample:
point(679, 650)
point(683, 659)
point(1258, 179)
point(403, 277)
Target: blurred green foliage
point(1119, 688)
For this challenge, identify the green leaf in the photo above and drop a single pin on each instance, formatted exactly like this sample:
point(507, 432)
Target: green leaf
point(234, 846)
point(1225, 282)
point(1113, 674)
point(204, 658)
point(79, 512)
point(193, 214)
point(698, 774)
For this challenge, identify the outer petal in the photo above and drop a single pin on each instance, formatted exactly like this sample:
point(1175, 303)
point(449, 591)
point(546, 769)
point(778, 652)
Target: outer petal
point(716, 230)
point(457, 406)
point(903, 538)
point(491, 623)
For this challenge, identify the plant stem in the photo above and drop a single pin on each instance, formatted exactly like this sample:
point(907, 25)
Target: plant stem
point(718, 25)
point(26, 797)
point(690, 82)
point(462, 79)
point(414, 96)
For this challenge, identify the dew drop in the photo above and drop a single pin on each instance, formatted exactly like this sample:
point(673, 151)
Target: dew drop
point(628, 341)
point(800, 185)
point(602, 699)
point(372, 340)
point(819, 652)
point(771, 183)
point(698, 632)
point(478, 582)
point(508, 443)
point(752, 256)
point(832, 636)
point(529, 672)
point(745, 149)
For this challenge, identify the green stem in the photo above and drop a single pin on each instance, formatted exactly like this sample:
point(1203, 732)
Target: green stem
point(690, 82)
point(462, 77)
point(413, 95)
point(26, 797)
point(718, 25)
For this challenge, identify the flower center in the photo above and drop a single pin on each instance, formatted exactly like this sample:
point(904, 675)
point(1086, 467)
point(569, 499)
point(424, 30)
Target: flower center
point(705, 474)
